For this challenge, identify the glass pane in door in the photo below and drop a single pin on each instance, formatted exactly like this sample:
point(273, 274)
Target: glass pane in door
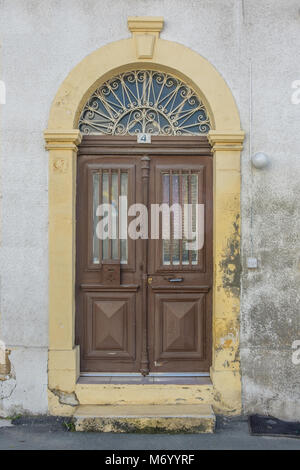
point(108, 187)
point(166, 200)
point(96, 202)
point(180, 188)
point(123, 220)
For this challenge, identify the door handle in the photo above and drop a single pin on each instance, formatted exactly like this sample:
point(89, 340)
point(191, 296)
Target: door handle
point(174, 279)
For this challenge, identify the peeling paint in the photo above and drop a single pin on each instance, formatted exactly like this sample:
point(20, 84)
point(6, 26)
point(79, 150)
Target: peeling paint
point(230, 265)
point(5, 366)
point(7, 388)
point(64, 398)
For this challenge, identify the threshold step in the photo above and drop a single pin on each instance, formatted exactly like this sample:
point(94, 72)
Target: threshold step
point(145, 418)
point(161, 393)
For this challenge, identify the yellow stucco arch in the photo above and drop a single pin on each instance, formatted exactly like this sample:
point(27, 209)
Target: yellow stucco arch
point(143, 50)
point(167, 56)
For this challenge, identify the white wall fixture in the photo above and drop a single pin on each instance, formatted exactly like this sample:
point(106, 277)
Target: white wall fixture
point(260, 160)
point(252, 263)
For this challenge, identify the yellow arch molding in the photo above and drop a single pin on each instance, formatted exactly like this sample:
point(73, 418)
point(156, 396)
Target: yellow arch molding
point(144, 50)
point(120, 56)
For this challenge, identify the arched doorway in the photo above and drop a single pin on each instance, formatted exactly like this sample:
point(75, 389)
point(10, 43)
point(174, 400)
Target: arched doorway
point(152, 315)
point(144, 50)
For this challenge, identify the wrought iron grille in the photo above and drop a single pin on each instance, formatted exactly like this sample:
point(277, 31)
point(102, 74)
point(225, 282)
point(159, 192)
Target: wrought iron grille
point(144, 101)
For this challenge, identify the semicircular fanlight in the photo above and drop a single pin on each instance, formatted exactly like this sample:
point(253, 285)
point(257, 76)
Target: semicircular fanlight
point(144, 101)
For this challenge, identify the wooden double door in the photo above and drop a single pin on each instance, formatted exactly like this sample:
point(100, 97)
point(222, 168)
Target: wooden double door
point(143, 305)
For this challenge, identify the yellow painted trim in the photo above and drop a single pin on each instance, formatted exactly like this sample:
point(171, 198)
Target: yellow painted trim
point(145, 30)
point(226, 140)
point(62, 138)
point(144, 45)
point(145, 24)
point(225, 370)
point(144, 394)
point(59, 139)
point(121, 56)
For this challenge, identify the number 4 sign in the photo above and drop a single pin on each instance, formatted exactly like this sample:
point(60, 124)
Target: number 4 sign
point(144, 138)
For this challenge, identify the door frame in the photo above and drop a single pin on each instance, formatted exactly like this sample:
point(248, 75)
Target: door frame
point(62, 138)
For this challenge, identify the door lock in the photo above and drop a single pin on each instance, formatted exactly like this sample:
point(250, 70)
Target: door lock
point(150, 280)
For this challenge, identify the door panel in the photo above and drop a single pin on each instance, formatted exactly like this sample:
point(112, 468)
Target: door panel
point(108, 306)
point(180, 326)
point(180, 278)
point(110, 326)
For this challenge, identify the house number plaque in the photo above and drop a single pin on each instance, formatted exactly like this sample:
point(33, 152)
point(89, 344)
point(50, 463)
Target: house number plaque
point(143, 138)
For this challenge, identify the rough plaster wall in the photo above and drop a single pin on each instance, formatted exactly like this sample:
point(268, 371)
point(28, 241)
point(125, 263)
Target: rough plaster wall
point(41, 42)
point(270, 295)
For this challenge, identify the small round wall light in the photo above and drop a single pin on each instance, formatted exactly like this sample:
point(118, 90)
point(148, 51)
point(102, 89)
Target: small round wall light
point(260, 160)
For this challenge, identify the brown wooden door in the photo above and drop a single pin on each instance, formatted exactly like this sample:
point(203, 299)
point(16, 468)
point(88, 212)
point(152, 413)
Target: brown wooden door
point(142, 305)
point(108, 320)
point(180, 278)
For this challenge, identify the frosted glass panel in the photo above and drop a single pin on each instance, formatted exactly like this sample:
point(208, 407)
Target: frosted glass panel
point(180, 188)
point(123, 220)
point(96, 201)
point(115, 209)
point(194, 201)
point(105, 200)
point(185, 200)
point(108, 186)
point(166, 199)
point(175, 244)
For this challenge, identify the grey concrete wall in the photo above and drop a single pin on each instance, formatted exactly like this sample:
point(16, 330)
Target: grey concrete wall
point(41, 41)
point(271, 213)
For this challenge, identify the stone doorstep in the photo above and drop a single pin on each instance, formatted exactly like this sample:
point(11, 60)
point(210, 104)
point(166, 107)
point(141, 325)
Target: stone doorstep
point(145, 418)
point(146, 394)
